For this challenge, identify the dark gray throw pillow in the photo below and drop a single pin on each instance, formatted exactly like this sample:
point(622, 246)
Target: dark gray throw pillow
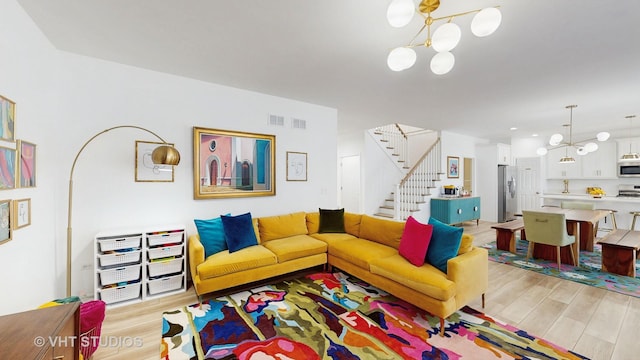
point(331, 221)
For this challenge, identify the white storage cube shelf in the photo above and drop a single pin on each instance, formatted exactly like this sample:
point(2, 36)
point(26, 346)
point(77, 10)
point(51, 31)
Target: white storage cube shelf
point(130, 257)
point(136, 263)
point(119, 242)
point(165, 284)
point(165, 267)
point(173, 237)
point(120, 274)
point(120, 293)
point(165, 251)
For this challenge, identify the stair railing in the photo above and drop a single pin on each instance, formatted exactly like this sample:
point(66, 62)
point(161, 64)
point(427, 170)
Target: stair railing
point(418, 181)
point(395, 140)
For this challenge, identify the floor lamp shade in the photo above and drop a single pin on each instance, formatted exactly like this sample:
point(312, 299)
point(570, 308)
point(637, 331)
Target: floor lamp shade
point(163, 155)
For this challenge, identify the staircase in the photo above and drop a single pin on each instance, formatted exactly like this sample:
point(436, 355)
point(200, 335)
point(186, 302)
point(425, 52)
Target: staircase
point(419, 180)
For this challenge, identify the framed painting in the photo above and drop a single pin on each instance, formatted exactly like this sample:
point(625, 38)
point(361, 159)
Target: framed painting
point(453, 167)
point(7, 119)
point(27, 168)
point(21, 213)
point(7, 168)
point(229, 164)
point(146, 170)
point(296, 166)
point(5, 221)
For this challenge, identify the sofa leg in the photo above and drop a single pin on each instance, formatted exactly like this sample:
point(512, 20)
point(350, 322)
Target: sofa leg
point(200, 301)
point(483, 300)
point(441, 326)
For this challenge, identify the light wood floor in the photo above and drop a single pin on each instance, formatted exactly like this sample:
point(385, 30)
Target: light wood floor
point(596, 323)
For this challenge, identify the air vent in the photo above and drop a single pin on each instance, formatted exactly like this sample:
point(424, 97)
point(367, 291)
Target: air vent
point(298, 123)
point(276, 120)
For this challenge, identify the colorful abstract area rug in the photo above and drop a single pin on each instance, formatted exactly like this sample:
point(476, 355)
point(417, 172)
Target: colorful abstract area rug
point(334, 316)
point(588, 273)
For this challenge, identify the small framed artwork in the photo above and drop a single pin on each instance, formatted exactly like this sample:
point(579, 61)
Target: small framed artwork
point(453, 167)
point(27, 168)
point(230, 164)
point(296, 166)
point(7, 168)
point(21, 213)
point(7, 119)
point(146, 170)
point(5, 221)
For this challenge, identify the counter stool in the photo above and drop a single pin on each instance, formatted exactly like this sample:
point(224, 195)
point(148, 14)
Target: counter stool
point(612, 214)
point(633, 222)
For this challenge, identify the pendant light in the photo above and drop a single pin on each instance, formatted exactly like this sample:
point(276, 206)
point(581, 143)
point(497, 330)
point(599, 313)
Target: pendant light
point(630, 155)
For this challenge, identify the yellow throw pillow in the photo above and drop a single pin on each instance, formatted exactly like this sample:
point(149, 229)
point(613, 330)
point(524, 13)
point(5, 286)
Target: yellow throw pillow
point(278, 227)
point(466, 244)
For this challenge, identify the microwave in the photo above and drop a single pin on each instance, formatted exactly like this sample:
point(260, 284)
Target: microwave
point(629, 168)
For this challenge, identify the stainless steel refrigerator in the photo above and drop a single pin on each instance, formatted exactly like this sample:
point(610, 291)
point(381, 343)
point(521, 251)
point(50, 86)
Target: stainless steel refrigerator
point(507, 193)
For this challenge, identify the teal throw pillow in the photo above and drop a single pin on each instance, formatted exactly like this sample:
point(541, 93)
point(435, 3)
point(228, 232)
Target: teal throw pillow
point(211, 235)
point(239, 231)
point(331, 221)
point(444, 245)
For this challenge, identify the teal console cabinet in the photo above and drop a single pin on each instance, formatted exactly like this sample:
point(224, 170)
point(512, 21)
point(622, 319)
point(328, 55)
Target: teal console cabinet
point(456, 210)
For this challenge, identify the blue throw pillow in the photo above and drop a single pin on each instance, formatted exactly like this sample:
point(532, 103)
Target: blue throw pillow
point(239, 231)
point(211, 235)
point(444, 245)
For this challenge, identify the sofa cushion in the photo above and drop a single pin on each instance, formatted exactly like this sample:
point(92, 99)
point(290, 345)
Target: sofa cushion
point(225, 262)
point(387, 232)
point(282, 226)
point(425, 279)
point(444, 245)
point(211, 235)
point(351, 223)
point(360, 252)
point(239, 231)
point(415, 241)
point(330, 238)
point(331, 221)
point(295, 247)
point(466, 244)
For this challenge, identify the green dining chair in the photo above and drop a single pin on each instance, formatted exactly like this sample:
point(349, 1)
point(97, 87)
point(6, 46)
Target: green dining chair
point(578, 205)
point(549, 229)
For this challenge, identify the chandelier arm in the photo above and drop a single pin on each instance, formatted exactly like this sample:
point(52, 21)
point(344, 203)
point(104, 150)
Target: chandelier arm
point(411, 44)
point(460, 14)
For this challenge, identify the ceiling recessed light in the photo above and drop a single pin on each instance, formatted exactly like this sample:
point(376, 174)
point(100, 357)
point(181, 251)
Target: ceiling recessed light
point(534, 135)
point(513, 128)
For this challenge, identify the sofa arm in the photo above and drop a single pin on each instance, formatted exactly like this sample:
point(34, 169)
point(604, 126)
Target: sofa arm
point(470, 273)
point(196, 253)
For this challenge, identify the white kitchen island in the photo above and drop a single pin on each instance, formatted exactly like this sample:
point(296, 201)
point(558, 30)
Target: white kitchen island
point(623, 205)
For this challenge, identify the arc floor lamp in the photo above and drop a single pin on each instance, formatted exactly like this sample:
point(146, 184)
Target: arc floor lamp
point(162, 155)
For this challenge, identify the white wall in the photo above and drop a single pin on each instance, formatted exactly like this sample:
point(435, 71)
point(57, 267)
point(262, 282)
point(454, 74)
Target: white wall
point(64, 99)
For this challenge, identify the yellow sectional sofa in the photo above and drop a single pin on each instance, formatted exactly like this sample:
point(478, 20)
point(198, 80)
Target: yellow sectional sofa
point(368, 249)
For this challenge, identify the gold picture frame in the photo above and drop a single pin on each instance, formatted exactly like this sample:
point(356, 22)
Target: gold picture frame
point(5, 221)
point(21, 213)
point(453, 167)
point(229, 164)
point(146, 170)
point(26, 164)
point(296, 166)
point(7, 119)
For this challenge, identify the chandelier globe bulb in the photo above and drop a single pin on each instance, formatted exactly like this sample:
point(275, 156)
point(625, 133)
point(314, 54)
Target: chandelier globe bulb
point(486, 22)
point(446, 37)
point(400, 13)
point(442, 63)
point(401, 58)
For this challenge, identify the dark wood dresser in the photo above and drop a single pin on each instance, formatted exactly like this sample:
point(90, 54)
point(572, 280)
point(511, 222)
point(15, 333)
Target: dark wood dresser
point(49, 333)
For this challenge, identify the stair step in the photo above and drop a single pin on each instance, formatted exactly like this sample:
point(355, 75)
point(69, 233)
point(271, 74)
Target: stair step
point(384, 215)
point(386, 207)
point(384, 140)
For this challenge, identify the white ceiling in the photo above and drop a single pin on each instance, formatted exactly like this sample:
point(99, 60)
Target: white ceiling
point(546, 54)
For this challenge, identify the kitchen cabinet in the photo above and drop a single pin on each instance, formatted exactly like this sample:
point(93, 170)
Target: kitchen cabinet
point(556, 170)
point(504, 154)
point(600, 164)
point(455, 210)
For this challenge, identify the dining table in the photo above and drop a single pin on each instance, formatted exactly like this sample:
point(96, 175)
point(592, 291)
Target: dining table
point(581, 223)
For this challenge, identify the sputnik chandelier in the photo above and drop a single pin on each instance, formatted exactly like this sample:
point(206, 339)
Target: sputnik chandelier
point(443, 40)
point(583, 147)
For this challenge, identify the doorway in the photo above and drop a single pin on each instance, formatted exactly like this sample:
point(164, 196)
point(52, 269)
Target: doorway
point(530, 183)
point(350, 183)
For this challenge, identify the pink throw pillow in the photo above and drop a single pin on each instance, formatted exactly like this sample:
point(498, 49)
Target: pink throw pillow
point(415, 241)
